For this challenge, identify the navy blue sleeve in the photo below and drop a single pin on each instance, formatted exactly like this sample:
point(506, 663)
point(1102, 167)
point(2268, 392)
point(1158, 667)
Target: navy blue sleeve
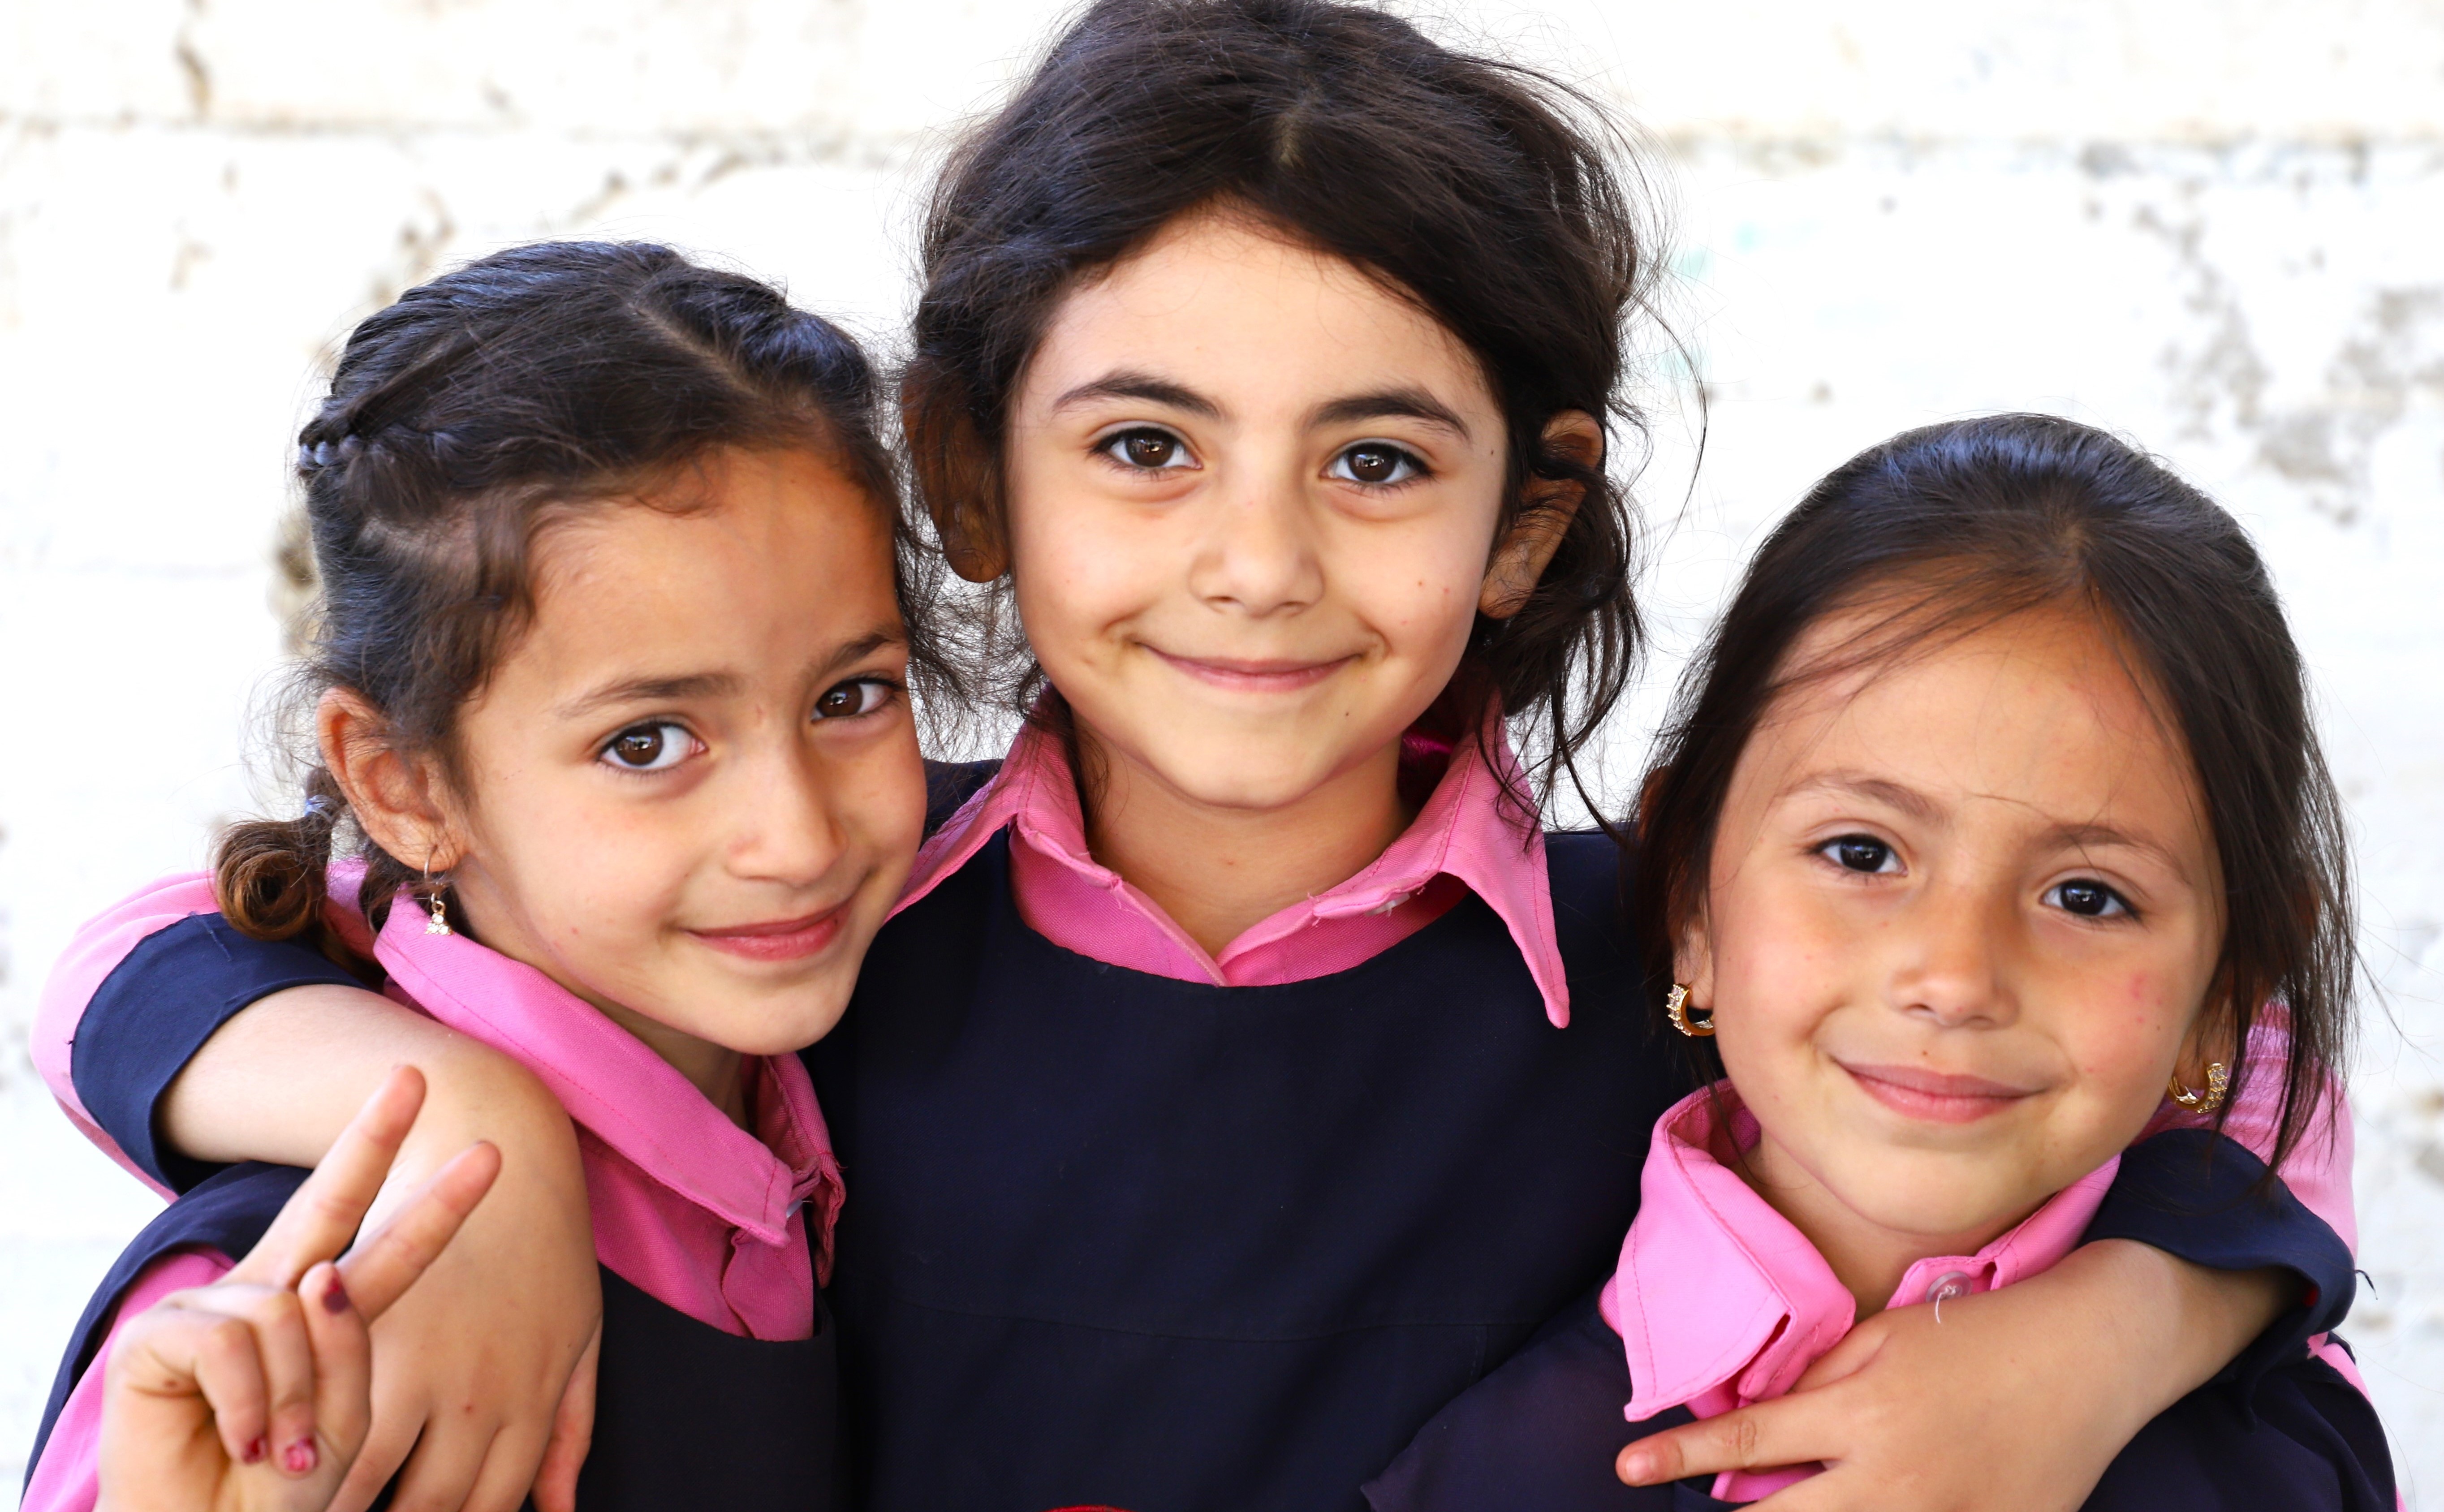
point(1541, 1431)
point(2196, 1195)
point(155, 1010)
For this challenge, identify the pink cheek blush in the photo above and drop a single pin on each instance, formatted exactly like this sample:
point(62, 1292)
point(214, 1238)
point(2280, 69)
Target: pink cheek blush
point(779, 939)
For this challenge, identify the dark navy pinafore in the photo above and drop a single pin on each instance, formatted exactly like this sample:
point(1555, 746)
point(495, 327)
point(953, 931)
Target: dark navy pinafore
point(1121, 1240)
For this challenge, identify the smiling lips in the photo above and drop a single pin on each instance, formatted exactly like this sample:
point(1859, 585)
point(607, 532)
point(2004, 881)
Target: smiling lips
point(1933, 1096)
point(1265, 676)
point(779, 939)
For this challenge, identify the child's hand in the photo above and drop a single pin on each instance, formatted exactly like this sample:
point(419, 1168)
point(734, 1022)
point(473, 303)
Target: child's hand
point(489, 1358)
point(2017, 1400)
point(255, 1391)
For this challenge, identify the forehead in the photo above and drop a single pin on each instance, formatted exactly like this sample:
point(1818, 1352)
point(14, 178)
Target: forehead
point(744, 546)
point(1218, 297)
point(2043, 709)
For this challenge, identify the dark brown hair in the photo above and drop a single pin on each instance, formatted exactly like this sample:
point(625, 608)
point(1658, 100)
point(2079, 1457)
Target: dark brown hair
point(1943, 531)
point(478, 409)
point(1492, 196)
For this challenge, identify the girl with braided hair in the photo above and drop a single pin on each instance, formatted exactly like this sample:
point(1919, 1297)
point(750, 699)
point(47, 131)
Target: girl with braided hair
point(1247, 1072)
point(617, 777)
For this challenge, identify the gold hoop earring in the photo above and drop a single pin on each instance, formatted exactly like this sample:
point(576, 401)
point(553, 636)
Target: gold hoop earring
point(437, 922)
point(1676, 1007)
point(2218, 1083)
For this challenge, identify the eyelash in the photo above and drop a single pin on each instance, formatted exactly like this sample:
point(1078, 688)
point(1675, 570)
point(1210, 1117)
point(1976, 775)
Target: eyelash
point(2115, 906)
point(884, 686)
point(1112, 446)
point(642, 727)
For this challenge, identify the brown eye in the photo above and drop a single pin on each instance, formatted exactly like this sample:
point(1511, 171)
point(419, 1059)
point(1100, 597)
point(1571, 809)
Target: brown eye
point(1859, 853)
point(1377, 462)
point(2089, 899)
point(863, 696)
point(649, 748)
point(1151, 449)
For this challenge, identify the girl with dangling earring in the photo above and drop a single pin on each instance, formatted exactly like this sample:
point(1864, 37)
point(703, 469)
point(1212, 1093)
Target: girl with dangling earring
point(618, 776)
point(1990, 829)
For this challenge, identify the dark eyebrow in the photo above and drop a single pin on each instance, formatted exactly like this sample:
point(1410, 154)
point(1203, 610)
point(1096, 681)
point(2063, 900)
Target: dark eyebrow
point(669, 689)
point(2086, 836)
point(1876, 789)
point(864, 646)
point(1414, 404)
point(1134, 385)
point(681, 687)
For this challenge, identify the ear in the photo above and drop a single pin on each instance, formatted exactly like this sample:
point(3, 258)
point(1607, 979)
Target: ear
point(1692, 961)
point(397, 798)
point(1543, 518)
point(957, 487)
point(2213, 1036)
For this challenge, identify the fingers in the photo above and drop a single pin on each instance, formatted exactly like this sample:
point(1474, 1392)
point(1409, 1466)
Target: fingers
point(343, 1363)
point(572, 1434)
point(510, 1470)
point(257, 1365)
point(324, 1215)
point(382, 1268)
point(172, 1364)
point(1787, 1431)
point(441, 1475)
point(1850, 1357)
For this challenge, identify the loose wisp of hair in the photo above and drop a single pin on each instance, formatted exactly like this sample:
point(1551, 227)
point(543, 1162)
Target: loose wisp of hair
point(1505, 204)
point(1945, 530)
point(470, 415)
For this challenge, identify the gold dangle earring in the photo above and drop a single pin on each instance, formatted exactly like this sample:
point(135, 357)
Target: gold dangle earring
point(1676, 1007)
point(438, 922)
point(2218, 1083)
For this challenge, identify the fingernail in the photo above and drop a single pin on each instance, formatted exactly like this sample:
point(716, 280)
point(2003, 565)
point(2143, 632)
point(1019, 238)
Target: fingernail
point(299, 1457)
point(256, 1449)
point(336, 1300)
point(1640, 1466)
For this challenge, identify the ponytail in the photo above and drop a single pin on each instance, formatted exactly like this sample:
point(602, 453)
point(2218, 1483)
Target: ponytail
point(269, 875)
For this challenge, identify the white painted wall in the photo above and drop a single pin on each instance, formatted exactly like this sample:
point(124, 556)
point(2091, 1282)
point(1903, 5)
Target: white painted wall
point(2217, 225)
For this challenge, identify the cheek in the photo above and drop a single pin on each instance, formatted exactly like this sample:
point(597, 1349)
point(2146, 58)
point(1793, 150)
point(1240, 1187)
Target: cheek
point(585, 869)
point(2131, 1031)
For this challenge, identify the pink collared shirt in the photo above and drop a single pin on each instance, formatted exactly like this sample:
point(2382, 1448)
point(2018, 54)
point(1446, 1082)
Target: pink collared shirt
point(1720, 1302)
point(1464, 840)
point(700, 1215)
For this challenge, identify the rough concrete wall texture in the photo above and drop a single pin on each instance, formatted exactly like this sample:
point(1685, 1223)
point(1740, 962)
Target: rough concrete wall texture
point(2215, 225)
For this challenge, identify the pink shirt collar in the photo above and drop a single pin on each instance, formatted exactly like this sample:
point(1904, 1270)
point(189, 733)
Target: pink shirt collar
point(1464, 837)
point(1720, 1302)
point(776, 1191)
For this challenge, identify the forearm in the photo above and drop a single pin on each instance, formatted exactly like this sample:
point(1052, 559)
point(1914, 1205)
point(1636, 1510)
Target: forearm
point(2157, 1327)
point(281, 1079)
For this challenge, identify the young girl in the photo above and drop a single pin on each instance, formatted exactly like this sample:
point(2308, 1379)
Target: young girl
point(611, 654)
point(1244, 1075)
point(1993, 809)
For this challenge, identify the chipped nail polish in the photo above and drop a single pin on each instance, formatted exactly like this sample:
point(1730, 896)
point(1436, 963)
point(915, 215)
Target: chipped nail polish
point(299, 1457)
point(256, 1449)
point(336, 1300)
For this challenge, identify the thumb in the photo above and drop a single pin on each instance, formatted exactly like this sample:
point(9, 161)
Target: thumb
point(572, 1434)
point(1847, 1358)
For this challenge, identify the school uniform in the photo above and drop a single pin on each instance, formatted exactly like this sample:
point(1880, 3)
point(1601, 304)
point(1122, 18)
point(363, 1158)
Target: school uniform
point(1718, 1302)
point(1144, 1226)
point(718, 1379)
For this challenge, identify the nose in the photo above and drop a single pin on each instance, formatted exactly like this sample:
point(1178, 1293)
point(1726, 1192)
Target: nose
point(1949, 968)
point(1258, 554)
point(785, 828)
